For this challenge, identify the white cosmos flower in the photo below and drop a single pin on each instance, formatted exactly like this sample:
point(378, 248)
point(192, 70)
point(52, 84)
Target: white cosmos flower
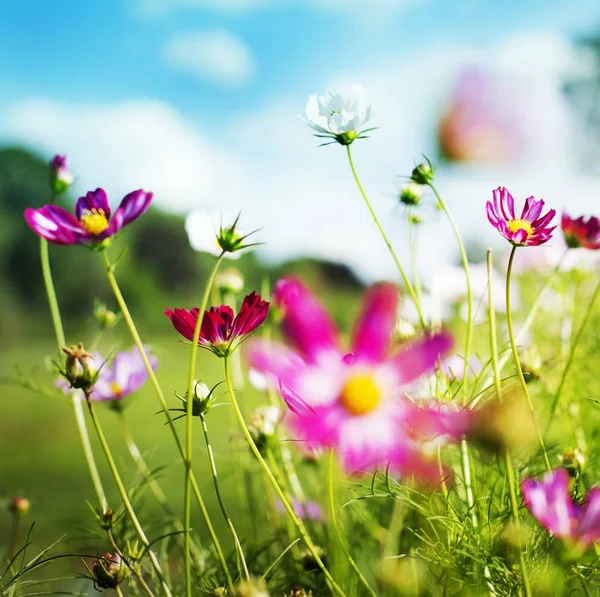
point(203, 227)
point(339, 114)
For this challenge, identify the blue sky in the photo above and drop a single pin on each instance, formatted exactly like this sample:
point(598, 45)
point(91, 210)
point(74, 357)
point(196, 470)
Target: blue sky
point(196, 100)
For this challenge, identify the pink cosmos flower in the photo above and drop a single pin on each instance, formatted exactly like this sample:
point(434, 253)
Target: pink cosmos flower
point(221, 331)
point(92, 223)
point(356, 402)
point(529, 230)
point(486, 121)
point(550, 503)
point(580, 232)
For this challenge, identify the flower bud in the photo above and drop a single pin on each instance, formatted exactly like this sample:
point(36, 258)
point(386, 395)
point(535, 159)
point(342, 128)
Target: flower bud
point(19, 506)
point(230, 280)
point(262, 425)
point(573, 461)
point(531, 363)
point(251, 588)
point(423, 173)
point(134, 550)
point(415, 219)
point(202, 400)
point(60, 177)
point(411, 194)
point(81, 370)
point(109, 570)
point(107, 519)
point(105, 317)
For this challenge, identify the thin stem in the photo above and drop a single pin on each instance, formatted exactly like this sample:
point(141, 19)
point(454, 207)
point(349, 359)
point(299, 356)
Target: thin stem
point(161, 398)
point(464, 448)
point(187, 500)
point(118, 591)
point(125, 498)
point(336, 526)
point(465, 263)
point(571, 358)
point(513, 346)
point(526, 325)
point(507, 457)
point(134, 569)
point(413, 255)
point(213, 468)
point(297, 522)
point(75, 400)
point(405, 279)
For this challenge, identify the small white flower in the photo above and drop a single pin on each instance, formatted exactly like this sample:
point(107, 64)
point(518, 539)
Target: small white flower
point(339, 115)
point(230, 280)
point(203, 228)
point(263, 422)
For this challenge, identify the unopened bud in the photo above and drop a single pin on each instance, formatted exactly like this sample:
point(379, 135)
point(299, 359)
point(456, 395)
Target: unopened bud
point(423, 173)
point(81, 370)
point(262, 425)
point(60, 177)
point(230, 280)
point(573, 461)
point(109, 570)
point(251, 588)
point(411, 194)
point(19, 506)
point(105, 317)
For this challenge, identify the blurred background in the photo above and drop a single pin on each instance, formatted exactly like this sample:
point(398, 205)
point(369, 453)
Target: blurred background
point(196, 100)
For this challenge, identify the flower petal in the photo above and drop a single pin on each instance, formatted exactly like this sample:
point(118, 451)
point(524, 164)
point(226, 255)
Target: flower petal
point(305, 322)
point(93, 200)
point(132, 207)
point(55, 224)
point(421, 357)
point(375, 325)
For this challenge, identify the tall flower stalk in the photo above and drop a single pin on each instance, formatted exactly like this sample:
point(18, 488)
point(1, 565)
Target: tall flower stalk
point(125, 498)
point(510, 475)
point(572, 352)
point(189, 429)
point(405, 278)
point(75, 400)
point(515, 354)
point(335, 588)
point(155, 384)
point(464, 448)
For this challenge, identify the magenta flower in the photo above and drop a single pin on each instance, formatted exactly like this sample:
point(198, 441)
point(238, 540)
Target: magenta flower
point(580, 232)
point(125, 374)
point(529, 230)
point(550, 503)
point(92, 223)
point(357, 402)
point(60, 177)
point(221, 331)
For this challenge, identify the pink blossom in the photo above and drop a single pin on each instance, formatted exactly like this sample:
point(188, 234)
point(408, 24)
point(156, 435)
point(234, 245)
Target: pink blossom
point(356, 402)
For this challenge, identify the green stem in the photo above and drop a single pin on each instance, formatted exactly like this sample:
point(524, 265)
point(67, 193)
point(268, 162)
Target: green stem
point(510, 476)
point(213, 468)
point(336, 527)
point(571, 358)
point(290, 510)
point(187, 503)
point(515, 354)
point(125, 498)
point(464, 448)
point(413, 262)
point(161, 398)
point(75, 400)
point(405, 279)
point(525, 327)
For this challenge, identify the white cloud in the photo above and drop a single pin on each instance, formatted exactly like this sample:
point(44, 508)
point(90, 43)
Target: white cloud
point(267, 164)
point(215, 55)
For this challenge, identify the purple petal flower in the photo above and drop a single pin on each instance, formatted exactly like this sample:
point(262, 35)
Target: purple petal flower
point(92, 223)
point(528, 230)
point(550, 503)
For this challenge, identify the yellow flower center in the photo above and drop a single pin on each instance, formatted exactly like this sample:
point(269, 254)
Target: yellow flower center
point(115, 388)
point(94, 221)
point(516, 225)
point(360, 395)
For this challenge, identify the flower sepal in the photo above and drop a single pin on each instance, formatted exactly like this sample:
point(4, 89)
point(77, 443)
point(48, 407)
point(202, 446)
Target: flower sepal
point(202, 401)
point(423, 173)
point(80, 368)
